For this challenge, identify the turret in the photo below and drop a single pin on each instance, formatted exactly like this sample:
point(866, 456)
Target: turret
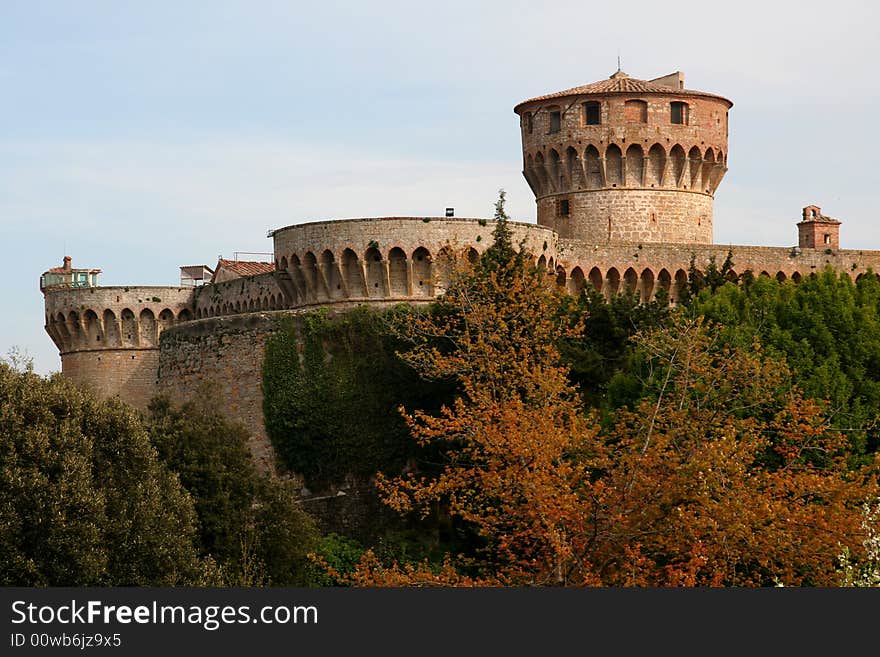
point(108, 337)
point(626, 160)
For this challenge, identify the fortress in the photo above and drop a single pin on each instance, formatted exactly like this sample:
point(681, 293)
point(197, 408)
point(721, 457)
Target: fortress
point(624, 173)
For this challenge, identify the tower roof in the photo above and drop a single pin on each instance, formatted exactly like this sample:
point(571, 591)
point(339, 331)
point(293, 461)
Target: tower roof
point(621, 83)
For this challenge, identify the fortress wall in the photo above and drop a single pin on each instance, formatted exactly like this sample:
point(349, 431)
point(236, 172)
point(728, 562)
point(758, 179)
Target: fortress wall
point(240, 295)
point(644, 267)
point(631, 215)
point(129, 374)
point(384, 260)
point(227, 354)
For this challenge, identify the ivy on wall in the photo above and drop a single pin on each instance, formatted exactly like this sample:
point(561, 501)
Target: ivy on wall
point(332, 387)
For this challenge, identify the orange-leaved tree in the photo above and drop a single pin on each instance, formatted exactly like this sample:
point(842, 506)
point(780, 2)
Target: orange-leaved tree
point(515, 444)
point(726, 475)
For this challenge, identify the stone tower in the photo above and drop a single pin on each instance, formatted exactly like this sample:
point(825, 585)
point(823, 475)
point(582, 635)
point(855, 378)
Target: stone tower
point(626, 160)
point(108, 337)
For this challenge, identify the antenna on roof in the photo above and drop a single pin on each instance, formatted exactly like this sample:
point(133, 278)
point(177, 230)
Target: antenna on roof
point(618, 61)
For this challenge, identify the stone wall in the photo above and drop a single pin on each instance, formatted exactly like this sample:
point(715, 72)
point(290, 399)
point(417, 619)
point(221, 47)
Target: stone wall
point(630, 215)
point(239, 295)
point(222, 356)
point(393, 259)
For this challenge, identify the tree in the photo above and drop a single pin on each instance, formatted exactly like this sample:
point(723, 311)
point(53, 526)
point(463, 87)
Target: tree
point(84, 500)
point(726, 475)
point(510, 435)
point(250, 523)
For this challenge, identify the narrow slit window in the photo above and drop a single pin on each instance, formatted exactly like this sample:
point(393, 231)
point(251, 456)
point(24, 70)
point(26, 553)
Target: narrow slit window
point(562, 208)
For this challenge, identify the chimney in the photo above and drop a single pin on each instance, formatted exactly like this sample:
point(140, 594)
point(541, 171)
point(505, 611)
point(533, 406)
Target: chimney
point(67, 263)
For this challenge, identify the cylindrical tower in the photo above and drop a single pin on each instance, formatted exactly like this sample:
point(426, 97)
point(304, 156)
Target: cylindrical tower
point(626, 160)
point(108, 337)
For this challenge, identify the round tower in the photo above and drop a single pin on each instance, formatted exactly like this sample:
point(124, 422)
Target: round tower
point(108, 337)
point(626, 160)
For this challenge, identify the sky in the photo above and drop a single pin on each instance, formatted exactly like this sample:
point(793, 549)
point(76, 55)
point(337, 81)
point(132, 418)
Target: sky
point(137, 137)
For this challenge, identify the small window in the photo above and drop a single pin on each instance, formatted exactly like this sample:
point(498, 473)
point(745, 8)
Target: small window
point(827, 239)
point(679, 113)
point(562, 207)
point(592, 113)
point(527, 119)
point(636, 111)
point(555, 120)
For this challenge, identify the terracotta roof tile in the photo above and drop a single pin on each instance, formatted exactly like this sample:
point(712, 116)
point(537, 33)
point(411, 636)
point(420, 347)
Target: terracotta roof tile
point(246, 267)
point(620, 83)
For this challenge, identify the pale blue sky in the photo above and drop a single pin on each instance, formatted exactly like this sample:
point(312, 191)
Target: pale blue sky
point(141, 136)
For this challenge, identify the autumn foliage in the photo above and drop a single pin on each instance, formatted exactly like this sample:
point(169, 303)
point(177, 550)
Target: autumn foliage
point(723, 474)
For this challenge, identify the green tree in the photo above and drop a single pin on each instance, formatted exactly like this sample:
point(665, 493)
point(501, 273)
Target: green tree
point(84, 500)
point(250, 523)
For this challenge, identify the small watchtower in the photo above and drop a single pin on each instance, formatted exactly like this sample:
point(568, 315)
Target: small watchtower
point(816, 231)
point(67, 276)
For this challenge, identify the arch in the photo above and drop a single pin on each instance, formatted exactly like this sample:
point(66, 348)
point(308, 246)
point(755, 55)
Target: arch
point(635, 162)
point(542, 262)
point(592, 168)
point(656, 165)
point(283, 263)
point(612, 282)
point(397, 272)
point(237, 307)
point(166, 319)
point(576, 281)
point(75, 330)
point(631, 281)
point(596, 279)
point(796, 277)
point(664, 280)
point(551, 265)
point(677, 159)
point(444, 268)
point(613, 166)
point(646, 285)
point(541, 171)
point(130, 335)
point(732, 276)
point(560, 277)
point(708, 167)
point(473, 256)
point(575, 170)
point(184, 315)
point(149, 329)
point(780, 276)
point(680, 285)
point(332, 276)
point(695, 162)
point(309, 270)
point(764, 273)
point(94, 331)
point(555, 171)
point(375, 273)
point(422, 270)
point(353, 274)
point(112, 336)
